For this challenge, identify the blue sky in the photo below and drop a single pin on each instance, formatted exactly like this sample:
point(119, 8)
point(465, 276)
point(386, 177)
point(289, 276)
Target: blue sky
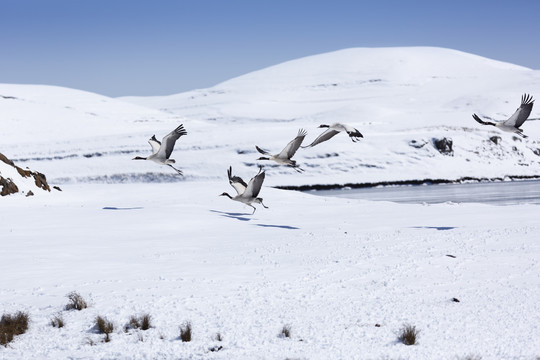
point(120, 47)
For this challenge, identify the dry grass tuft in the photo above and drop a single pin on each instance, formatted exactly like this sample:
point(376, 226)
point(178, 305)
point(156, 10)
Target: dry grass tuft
point(57, 321)
point(76, 301)
point(408, 334)
point(185, 332)
point(285, 331)
point(13, 325)
point(143, 322)
point(104, 326)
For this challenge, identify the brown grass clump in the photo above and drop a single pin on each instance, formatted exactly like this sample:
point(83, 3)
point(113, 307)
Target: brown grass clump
point(143, 322)
point(76, 301)
point(285, 331)
point(104, 326)
point(408, 334)
point(57, 321)
point(185, 332)
point(13, 325)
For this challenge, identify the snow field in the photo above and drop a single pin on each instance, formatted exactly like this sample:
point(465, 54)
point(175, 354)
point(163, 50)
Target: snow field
point(180, 252)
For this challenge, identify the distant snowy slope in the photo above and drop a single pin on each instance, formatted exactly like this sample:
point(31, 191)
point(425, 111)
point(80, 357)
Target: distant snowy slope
point(61, 131)
point(360, 84)
point(401, 99)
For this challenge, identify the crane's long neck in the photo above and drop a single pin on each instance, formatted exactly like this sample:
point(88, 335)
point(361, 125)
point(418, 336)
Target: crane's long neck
point(225, 194)
point(139, 158)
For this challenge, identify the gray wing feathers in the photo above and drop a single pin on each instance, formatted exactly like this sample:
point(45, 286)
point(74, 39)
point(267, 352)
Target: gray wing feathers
point(328, 134)
point(477, 118)
point(522, 113)
point(264, 152)
point(154, 143)
point(254, 186)
point(170, 139)
point(236, 182)
point(293, 145)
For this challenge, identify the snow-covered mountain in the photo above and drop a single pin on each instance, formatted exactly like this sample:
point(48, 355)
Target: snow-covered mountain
point(401, 99)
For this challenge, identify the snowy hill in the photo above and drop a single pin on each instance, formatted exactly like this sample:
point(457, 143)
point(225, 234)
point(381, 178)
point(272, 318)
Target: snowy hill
point(401, 99)
point(395, 96)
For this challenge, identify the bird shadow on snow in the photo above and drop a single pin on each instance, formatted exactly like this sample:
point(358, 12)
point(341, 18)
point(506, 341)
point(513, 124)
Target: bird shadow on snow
point(440, 228)
point(242, 217)
point(279, 226)
point(237, 216)
point(122, 208)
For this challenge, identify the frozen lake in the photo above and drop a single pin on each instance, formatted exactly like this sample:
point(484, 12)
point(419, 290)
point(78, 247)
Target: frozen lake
point(496, 193)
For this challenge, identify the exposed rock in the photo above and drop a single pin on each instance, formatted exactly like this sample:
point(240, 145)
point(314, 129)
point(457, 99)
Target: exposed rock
point(6, 160)
point(444, 146)
point(495, 139)
point(8, 184)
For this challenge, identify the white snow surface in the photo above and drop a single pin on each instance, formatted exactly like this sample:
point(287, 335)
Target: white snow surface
point(132, 238)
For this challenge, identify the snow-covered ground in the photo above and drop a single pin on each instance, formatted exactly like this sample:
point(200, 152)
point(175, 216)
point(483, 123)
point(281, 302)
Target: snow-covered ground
point(131, 238)
point(331, 268)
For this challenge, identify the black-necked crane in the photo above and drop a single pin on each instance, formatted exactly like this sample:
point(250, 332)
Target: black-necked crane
point(333, 130)
point(516, 120)
point(247, 193)
point(161, 151)
point(284, 157)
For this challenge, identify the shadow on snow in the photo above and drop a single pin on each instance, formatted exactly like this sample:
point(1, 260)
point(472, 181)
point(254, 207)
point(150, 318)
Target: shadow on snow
point(440, 228)
point(242, 217)
point(122, 208)
point(279, 226)
point(238, 216)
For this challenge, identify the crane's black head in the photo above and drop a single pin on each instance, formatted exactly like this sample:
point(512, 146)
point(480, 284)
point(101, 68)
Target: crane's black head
point(225, 194)
point(263, 158)
point(138, 158)
point(324, 126)
point(260, 201)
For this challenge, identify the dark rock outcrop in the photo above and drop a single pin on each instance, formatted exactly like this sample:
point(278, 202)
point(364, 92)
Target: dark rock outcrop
point(9, 186)
point(444, 146)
